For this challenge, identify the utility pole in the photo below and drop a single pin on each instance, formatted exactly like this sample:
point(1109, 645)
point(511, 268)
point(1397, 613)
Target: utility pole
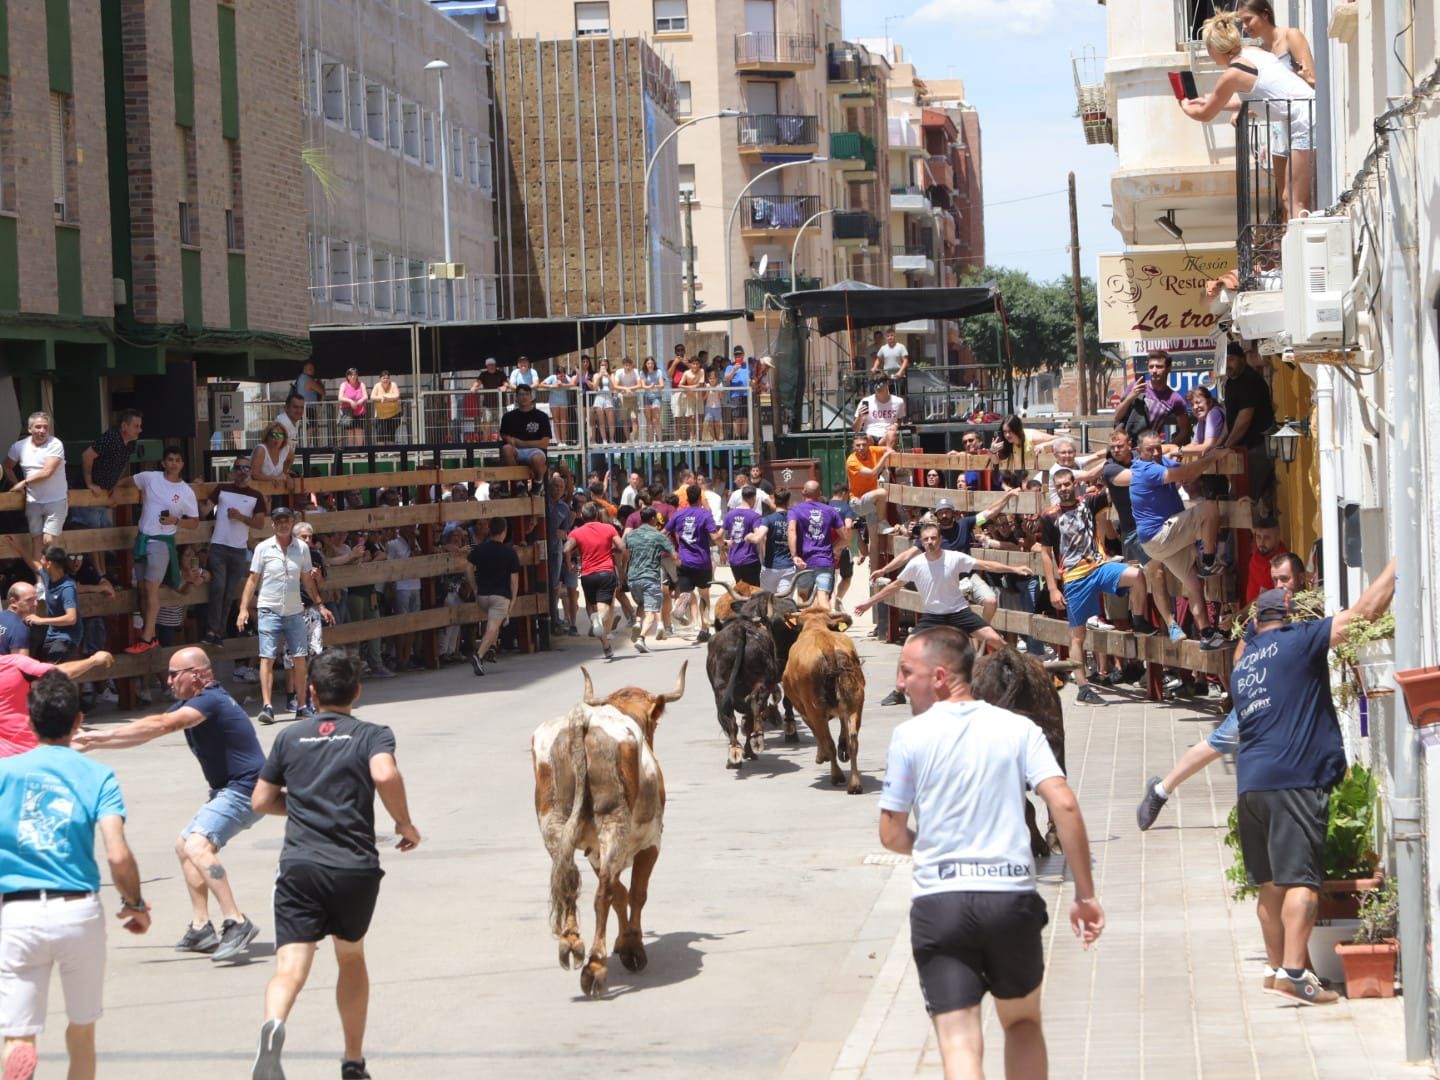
point(1082, 372)
point(689, 260)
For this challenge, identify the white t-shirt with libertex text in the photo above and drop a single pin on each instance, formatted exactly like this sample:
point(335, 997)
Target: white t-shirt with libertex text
point(159, 494)
point(32, 459)
point(892, 356)
point(938, 581)
point(963, 767)
point(882, 414)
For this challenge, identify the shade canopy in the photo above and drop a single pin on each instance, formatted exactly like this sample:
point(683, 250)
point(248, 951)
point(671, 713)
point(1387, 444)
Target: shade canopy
point(855, 305)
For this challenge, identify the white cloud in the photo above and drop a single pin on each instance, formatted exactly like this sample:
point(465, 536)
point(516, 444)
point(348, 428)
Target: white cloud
point(991, 16)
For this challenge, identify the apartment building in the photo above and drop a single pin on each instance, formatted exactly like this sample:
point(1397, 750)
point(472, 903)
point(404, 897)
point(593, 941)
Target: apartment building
point(765, 60)
point(380, 158)
point(151, 228)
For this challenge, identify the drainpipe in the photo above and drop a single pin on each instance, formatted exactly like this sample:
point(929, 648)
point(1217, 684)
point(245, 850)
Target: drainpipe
point(1407, 497)
point(1331, 483)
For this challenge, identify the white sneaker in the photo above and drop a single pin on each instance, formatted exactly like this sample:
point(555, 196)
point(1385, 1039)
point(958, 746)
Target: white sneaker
point(109, 695)
point(247, 675)
point(1097, 623)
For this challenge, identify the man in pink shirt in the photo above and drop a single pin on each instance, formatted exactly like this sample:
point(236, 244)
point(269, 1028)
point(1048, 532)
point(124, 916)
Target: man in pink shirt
point(16, 674)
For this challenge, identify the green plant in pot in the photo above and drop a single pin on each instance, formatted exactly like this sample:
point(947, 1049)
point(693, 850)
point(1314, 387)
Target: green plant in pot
point(1370, 959)
point(1361, 657)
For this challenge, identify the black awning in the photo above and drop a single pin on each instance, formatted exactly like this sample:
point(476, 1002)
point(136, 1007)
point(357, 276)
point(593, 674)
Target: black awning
point(463, 346)
point(845, 306)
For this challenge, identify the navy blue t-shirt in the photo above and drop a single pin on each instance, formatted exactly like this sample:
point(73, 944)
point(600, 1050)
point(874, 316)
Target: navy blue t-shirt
point(224, 742)
point(777, 542)
point(14, 633)
point(1289, 735)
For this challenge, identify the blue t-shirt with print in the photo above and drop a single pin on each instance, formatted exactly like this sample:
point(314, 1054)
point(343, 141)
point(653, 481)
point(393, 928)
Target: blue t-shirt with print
point(1152, 500)
point(14, 633)
point(777, 542)
point(51, 798)
point(1289, 735)
point(56, 597)
point(740, 523)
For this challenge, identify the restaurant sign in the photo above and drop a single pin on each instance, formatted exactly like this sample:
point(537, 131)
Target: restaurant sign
point(1158, 294)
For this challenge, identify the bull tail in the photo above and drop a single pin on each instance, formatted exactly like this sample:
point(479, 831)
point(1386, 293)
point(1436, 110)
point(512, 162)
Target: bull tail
point(564, 876)
point(732, 686)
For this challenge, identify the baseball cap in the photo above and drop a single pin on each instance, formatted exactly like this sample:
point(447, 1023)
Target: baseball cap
point(944, 504)
point(739, 350)
point(281, 511)
point(1273, 605)
point(490, 361)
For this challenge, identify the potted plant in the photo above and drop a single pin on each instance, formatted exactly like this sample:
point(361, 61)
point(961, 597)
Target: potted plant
point(1369, 960)
point(1422, 694)
point(1365, 659)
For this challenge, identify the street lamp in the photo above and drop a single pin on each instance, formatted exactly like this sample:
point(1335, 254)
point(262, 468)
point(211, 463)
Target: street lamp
point(645, 225)
point(795, 247)
point(440, 67)
point(735, 209)
point(1282, 443)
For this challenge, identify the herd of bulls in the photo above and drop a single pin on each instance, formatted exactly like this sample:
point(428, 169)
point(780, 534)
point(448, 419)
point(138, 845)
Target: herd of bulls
point(599, 789)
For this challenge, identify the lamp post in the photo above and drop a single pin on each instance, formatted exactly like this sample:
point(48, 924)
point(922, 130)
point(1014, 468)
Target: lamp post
point(1281, 444)
point(440, 67)
point(795, 247)
point(735, 209)
point(645, 224)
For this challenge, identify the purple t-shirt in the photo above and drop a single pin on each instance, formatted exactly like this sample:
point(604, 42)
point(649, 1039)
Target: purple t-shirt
point(691, 529)
point(814, 523)
point(1161, 409)
point(740, 523)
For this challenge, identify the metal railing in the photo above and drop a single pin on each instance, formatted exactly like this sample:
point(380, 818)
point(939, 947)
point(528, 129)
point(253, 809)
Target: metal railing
point(771, 129)
point(758, 48)
point(933, 394)
point(776, 212)
point(852, 146)
point(325, 424)
point(651, 417)
point(1271, 138)
point(843, 64)
point(855, 225)
point(473, 416)
point(758, 289)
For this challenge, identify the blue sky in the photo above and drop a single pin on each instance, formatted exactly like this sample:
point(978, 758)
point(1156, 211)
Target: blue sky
point(1014, 56)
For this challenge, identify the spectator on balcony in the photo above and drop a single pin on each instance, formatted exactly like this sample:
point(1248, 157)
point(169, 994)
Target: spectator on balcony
point(523, 374)
point(36, 464)
point(602, 404)
point(167, 504)
point(1266, 549)
point(386, 396)
point(879, 415)
point(354, 402)
point(686, 403)
point(651, 380)
point(489, 383)
point(1018, 447)
point(1287, 104)
point(527, 434)
point(1286, 44)
point(307, 386)
point(737, 407)
point(893, 359)
point(103, 464)
point(713, 429)
point(627, 392)
point(560, 383)
point(678, 365)
point(292, 417)
point(1151, 405)
point(1252, 417)
point(877, 342)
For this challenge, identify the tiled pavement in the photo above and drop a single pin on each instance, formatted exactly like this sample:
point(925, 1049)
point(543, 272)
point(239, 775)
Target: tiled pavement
point(1172, 989)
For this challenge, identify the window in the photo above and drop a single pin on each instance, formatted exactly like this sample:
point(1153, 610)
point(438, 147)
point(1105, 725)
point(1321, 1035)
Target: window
point(592, 19)
point(489, 302)
point(332, 84)
point(63, 181)
point(687, 183)
point(375, 112)
point(671, 16)
point(190, 187)
point(363, 271)
point(437, 299)
point(318, 252)
point(472, 160)
point(682, 98)
point(461, 310)
point(392, 117)
point(411, 114)
point(457, 153)
point(310, 74)
point(234, 219)
point(381, 285)
point(341, 272)
point(7, 148)
point(356, 102)
point(428, 132)
point(415, 271)
point(487, 178)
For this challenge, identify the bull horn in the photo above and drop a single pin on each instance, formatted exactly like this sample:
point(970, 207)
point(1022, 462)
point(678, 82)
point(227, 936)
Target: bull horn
point(589, 698)
point(733, 594)
point(679, 691)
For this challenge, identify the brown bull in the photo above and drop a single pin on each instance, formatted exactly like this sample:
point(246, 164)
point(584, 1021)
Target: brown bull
point(734, 595)
point(599, 790)
point(823, 680)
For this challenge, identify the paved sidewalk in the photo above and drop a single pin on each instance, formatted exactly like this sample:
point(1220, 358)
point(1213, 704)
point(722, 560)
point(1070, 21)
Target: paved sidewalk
point(1173, 988)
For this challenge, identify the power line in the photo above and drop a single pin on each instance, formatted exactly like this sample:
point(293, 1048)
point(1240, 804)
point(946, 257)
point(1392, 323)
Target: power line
point(1028, 198)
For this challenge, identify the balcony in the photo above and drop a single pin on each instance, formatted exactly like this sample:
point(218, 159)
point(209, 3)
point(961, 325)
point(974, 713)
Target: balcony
point(912, 259)
point(764, 135)
point(855, 227)
point(1266, 199)
point(771, 217)
point(775, 52)
point(853, 153)
point(844, 68)
point(760, 290)
point(909, 201)
point(904, 134)
point(940, 171)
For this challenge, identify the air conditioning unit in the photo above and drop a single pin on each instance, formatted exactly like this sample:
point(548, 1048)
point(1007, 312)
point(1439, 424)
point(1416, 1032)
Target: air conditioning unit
point(497, 14)
point(1318, 268)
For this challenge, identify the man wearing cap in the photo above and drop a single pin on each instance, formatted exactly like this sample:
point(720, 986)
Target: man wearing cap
point(490, 380)
point(238, 509)
point(1291, 756)
point(879, 415)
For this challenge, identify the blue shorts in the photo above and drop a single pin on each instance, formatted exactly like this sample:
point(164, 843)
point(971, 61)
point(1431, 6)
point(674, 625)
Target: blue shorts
point(272, 625)
point(91, 517)
point(227, 814)
point(1225, 739)
point(649, 594)
point(1082, 598)
point(825, 579)
point(526, 454)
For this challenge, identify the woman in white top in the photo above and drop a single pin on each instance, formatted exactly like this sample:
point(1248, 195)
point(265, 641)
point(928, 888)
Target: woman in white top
point(1287, 44)
point(602, 405)
point(272, 457)
point(1254, 75)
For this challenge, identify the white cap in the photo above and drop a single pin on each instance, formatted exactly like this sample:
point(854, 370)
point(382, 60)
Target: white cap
point(490, 361)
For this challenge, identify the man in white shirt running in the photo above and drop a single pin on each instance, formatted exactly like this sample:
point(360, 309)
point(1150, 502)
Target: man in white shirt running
point(879, 415)
point(976, 920)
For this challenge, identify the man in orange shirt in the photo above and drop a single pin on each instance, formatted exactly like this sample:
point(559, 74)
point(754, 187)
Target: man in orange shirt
point(863, 469)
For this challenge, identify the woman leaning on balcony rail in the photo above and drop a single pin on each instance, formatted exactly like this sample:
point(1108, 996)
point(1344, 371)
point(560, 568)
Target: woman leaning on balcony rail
point(602, 405)
point(385, 395)
point(272, 457)
point(653, 382)
point(354, 407)
point(559, 383)
point(1255, 75)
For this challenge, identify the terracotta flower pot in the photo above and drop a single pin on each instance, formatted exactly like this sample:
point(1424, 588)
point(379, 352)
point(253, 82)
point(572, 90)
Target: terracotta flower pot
point(1369, 969)
point(1341, 899)
point(1421, 687)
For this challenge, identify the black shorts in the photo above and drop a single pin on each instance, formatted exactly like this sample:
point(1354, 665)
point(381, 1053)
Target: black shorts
point(1282, 835)
point(748, 572)
point(969, 943)
point(964, 620)
point(690, 578)
point(312, 902)
point(599, 588)
point(846, 566)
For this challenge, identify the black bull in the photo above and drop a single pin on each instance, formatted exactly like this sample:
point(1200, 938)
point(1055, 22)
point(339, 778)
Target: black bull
point(744, 661)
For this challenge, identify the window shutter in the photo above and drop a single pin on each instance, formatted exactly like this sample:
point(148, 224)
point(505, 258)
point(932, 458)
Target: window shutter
point(57, 152)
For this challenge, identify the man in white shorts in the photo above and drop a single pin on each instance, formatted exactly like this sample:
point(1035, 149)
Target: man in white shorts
point(51, 800)
point(167, 504)
point(36, 465)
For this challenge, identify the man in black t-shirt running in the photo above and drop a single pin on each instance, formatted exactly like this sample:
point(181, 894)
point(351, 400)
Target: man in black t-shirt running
point(322, 776)
point(525, 431)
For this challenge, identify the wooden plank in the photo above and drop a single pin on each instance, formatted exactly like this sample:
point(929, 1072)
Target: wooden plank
point(893, 543)
point(1231, 464)
point(1024, 502)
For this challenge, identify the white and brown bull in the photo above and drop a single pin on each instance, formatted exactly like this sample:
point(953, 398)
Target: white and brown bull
point(599, 790)
point(823, 680)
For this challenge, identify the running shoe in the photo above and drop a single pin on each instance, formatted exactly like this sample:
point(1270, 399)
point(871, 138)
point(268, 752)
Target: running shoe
point(609, 652)
point(234, 937)
point(640, 645)
point(382, 673)
point(1142, 625)
point(1213, 639)
point(1150, 806)
point(1306, 989)
point(142, 646)
point(893, 698)
point(354, 1070)
point(572, 631)
point(109, 695)
point(212, 638)
point(635, 631)
point(665, 632)
point(267, 1057)
point(305, 712)
point(203, 940)
point(1097, 623)
point(266, 715)
point(292, 703)
point(1215, 569)
point(477, 663)
point(1176, 634)
point(1088, 695)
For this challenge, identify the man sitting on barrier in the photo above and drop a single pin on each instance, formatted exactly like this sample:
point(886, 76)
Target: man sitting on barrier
point(879, 415)
point(526, 432)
